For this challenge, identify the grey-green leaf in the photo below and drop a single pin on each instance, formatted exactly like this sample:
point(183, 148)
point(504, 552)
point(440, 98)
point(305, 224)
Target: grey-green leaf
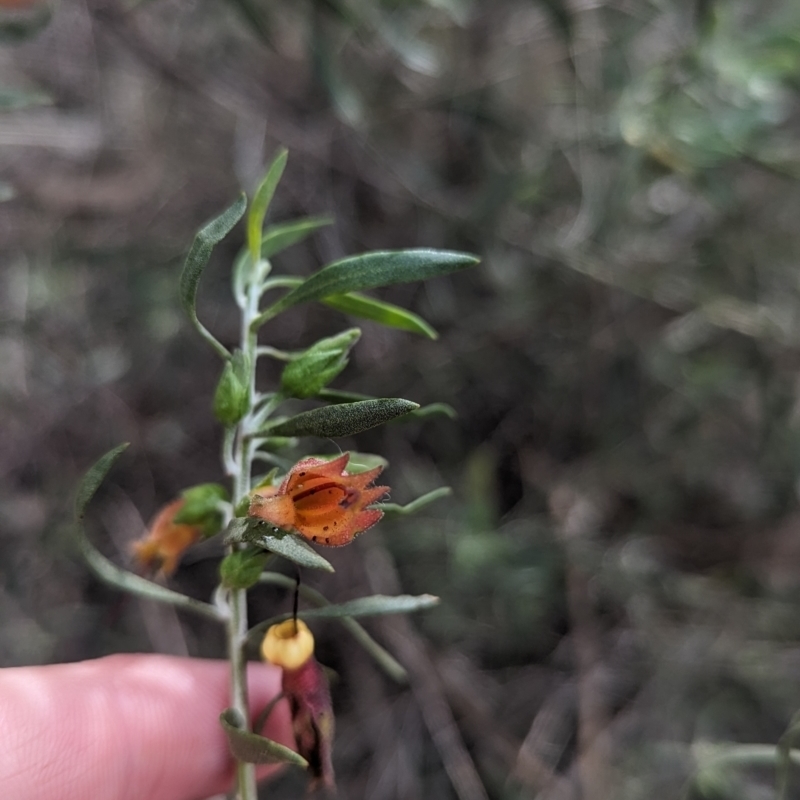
point(376, 605)
point(253, 748)
point(94, 477)
point(392, 316)
point(279, 237)
point(344, 419)
point(109, 572)
point(282, 543)
point(196, 261)
point(369, 271)
point(261, 200)
point(416, 505)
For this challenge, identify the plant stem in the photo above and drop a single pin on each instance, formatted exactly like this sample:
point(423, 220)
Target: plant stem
point(240, 462)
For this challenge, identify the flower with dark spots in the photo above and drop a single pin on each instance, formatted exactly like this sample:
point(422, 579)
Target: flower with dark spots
point(322, 502)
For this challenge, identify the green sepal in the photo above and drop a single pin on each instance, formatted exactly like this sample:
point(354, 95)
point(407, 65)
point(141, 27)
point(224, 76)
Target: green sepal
point(279, 237)
point(201, 507)
point(253, 748)
point(197, 259)
point(315, 368)
point(369, 271)
point(344, 419)
point(267, 481)
point(241, 570)
point(388, 314)
point(233, 391)
point(261, 201)
point(282, 543)
point(242, 507)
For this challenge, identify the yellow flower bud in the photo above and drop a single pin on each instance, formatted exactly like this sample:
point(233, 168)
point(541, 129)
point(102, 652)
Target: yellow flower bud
point(289, 644)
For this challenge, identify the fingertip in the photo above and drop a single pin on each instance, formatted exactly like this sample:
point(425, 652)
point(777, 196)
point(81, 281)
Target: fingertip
point(127, 726)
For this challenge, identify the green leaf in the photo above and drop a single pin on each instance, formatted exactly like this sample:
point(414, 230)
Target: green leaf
point(339, 396)
point(368, 271)
point(392, 316)
point(253, 748)
point(431, 410)
point(344, 419)
point(275, 540)
point(94, 477)
point(415, 505)
point(261, 201)
point(279, 237)
point(313, 369)
point(241, 570)
point(435, 410)
point(200, 252)
point(383, 658)
point(376, 605)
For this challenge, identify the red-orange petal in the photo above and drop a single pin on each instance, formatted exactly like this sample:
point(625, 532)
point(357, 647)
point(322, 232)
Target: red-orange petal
point(278, 510)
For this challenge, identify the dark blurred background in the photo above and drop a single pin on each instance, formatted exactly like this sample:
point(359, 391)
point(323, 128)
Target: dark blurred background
point(619, 565)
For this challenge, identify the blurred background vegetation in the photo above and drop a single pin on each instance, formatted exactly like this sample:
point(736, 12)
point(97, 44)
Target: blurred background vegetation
point(620, 562)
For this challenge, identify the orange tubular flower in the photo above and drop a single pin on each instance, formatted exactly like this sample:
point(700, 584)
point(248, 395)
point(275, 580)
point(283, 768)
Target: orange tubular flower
point(320, 501)
point(164, 544)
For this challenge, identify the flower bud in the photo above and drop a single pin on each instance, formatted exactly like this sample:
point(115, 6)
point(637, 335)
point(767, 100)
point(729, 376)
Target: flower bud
point(232, 392)
point(314, 369)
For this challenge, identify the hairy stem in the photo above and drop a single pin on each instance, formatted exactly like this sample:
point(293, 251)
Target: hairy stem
point(239, 458)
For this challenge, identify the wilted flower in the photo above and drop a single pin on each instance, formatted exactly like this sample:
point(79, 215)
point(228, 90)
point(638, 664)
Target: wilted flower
point(164, 543)
point(290, 645)
point(321, 501)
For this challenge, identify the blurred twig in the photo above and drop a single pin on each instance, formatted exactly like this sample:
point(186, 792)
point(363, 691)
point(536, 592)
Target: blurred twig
point(425, 684)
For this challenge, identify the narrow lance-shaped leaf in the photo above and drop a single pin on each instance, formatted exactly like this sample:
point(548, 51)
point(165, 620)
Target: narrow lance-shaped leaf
point(392, 316)
point(196, 261)
point(278, 237)
point(253, 748)
point(276, 541)
point(416, 505)
point(344, 419)
point(423, 412)
point(261, 201)
point(364, 307)
point(375, 606)
point(368, 271)
point(384, 659)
